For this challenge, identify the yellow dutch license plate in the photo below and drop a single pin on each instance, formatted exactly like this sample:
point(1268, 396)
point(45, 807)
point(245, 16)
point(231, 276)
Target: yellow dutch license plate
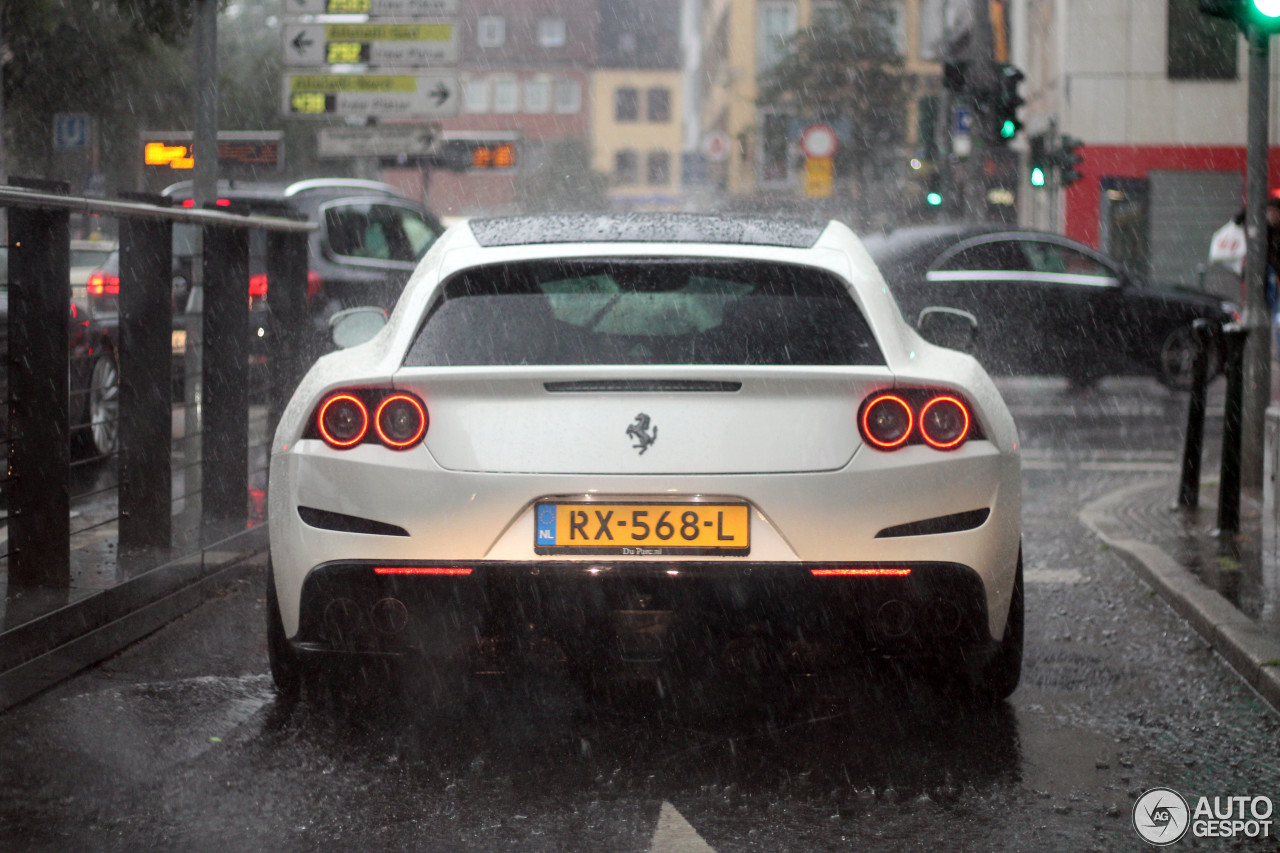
point(642, 529)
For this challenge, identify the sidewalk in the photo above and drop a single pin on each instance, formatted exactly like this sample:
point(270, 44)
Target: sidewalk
point(1230, 596)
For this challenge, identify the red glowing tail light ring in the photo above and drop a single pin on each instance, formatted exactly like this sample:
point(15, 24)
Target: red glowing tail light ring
point(958, 440)
point(417, 435)
point(866, 415)
point(324, 433)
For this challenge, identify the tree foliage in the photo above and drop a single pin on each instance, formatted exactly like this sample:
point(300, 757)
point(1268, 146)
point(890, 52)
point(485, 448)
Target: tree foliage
point(564, 181)
point(845, 68)
point(117, 60)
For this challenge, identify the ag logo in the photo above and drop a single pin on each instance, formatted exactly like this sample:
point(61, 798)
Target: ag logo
point(1161, 816)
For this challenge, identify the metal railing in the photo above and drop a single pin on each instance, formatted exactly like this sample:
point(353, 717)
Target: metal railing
point(237, 422)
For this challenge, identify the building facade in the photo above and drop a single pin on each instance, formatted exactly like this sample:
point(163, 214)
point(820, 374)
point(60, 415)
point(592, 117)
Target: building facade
point(1157, 94)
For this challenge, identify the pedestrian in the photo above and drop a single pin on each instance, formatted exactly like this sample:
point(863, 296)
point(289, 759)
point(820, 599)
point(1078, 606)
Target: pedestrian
point(1273, 268)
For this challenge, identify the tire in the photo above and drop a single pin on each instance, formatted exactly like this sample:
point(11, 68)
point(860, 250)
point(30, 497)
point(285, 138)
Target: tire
point(286, 667)
point(102, 435)
point(1003, 670)
point(1176, 359)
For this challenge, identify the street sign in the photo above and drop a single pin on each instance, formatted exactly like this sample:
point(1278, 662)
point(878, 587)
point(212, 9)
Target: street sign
point(370, 95)
point(818, 140)
point(818, 175)
point(374, 8)
point(715, 146)
point(237, 149)
point(403, 45)
point(70, 131)
point(413, 140)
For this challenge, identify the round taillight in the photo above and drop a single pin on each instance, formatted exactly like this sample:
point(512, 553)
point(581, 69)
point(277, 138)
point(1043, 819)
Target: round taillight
point(887, 421)
point(400, 421)
point(944, 422)
point(343, 421)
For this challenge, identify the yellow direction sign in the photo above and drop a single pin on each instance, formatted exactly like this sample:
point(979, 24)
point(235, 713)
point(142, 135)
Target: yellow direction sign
point(400, 45)
point(818, 174)
point(370, 95)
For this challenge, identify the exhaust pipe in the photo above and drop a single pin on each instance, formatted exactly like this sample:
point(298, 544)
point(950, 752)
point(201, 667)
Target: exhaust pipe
point(894, 619)
point(389, 616)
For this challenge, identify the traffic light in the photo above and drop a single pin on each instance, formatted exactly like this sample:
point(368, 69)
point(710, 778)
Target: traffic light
point(1263, 14)
point(1039, 165)
point(1007, 102)
point(1066, 159)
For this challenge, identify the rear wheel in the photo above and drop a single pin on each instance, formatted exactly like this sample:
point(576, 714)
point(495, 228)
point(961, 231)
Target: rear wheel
point(286, 667)
point(1177, 359)
point(1000, 676)
point(104, 405)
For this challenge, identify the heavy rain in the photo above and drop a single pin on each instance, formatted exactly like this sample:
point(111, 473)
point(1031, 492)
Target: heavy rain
point(639, 425)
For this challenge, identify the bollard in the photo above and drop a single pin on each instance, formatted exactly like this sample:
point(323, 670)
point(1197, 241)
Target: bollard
point(1229, 490)
point(1189, 488)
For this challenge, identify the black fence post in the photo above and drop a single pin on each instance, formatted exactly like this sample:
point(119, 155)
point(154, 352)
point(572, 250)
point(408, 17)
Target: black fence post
point(290, 329)
point(39, 417)
point(145, 359)
point(1193, 446)
point(225, 463)
point(1229, 481)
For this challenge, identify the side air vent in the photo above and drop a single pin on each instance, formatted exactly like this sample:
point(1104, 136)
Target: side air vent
point(953, 523)
point(326, 520)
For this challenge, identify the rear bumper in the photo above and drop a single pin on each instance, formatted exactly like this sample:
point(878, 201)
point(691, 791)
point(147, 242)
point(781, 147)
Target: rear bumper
point(617, 613)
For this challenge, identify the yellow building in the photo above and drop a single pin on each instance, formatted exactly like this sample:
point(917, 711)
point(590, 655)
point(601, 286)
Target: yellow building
point(637, 135)
point(740, 39)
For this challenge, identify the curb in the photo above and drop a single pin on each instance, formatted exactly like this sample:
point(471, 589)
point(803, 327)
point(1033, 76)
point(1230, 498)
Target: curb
point(1252, 651)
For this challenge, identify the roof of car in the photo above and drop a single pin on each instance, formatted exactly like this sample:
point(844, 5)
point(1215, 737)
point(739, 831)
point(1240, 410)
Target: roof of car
point(265, 190)
point(642, 228)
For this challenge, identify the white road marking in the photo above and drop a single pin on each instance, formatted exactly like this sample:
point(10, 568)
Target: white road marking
point(675, 835)
point(1053, 576)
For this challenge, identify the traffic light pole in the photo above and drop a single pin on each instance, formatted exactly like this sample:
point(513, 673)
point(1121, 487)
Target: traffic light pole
point(1257, 317)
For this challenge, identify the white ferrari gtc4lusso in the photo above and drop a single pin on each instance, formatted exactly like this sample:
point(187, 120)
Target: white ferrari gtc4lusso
point(651, 439)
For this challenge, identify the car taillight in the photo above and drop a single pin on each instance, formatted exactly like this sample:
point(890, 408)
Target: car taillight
point(940, 419)
point(944, 422)
point(399, 419)
point(103, 284)
point(343, 421)
point(314, 284)
point(258, 286)
point(887, 421)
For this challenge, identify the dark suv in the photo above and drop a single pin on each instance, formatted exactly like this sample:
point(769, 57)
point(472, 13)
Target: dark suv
point(370, 238)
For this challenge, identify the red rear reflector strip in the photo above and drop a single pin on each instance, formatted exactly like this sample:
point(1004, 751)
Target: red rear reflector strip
point(860, 573)
point(419, 570)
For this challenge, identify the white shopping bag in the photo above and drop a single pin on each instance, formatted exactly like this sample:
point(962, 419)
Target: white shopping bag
point(1228, 246)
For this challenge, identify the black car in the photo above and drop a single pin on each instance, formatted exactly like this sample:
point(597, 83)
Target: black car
point(1046, 304)
point(369, 240)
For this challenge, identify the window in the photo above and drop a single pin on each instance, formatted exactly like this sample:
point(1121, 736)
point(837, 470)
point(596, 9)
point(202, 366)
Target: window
point(384, 232)
point(626, 105)
point(491, 31)
point(624, 311)
point(537, 95)
point(506, 95)
point(829, 17)
point(777, 24)
point(475, 95)
point(659, 105)
point(1063, 260)
point(568, 95)
point(626, 169)
point(1200, 47)
point(1001, 255)
point(659, 171)
point(551, 32)
point(627, 43)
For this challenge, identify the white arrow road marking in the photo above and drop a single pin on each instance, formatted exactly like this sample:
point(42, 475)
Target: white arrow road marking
point(675, 835)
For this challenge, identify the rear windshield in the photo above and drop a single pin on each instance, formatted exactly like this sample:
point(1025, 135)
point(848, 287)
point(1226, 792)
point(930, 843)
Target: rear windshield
point(644, 312)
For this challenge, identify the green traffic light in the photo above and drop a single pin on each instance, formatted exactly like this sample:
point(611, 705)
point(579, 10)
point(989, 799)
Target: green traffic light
point(1008, 130)
point(1037, 177)
point(934, 199)
point(1266, 8)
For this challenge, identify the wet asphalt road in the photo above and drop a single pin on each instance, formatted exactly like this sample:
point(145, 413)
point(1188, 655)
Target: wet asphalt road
point(178, 743)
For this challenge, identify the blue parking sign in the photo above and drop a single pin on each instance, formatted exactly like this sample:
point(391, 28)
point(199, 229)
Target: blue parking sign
point(70, 131)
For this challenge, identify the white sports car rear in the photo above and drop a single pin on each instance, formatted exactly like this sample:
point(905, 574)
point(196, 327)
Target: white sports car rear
point(648, 439)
